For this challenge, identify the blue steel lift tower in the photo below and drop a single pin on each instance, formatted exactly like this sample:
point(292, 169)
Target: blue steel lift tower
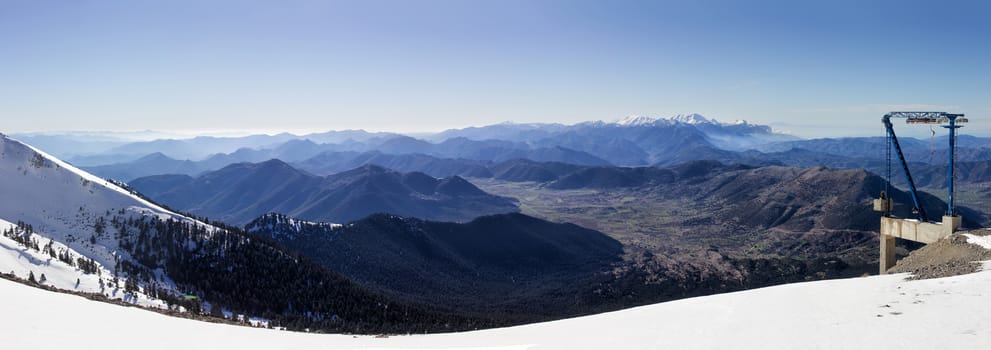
point(919, 229)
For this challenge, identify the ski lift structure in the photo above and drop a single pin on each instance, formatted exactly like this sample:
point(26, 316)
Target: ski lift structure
point(919, 229)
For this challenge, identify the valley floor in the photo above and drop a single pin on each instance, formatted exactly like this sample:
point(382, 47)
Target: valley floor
point(858, 313)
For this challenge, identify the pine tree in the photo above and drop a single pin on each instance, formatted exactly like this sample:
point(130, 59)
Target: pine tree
point(31, 277)
point(216, 311)
point(99, 226)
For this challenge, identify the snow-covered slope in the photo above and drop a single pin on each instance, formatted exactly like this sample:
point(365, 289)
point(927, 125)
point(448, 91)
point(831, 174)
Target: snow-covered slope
point(50, 271)
point(42, 176)
point(65, 205)
point(860, 313)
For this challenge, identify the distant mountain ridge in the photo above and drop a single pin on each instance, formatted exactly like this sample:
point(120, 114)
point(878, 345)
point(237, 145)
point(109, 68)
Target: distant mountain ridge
point(316, 156)
point(634, 141)
point(500, 142)
point(241, 192)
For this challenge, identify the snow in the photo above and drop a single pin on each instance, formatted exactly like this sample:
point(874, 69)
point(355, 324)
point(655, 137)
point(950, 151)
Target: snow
point(298, 224)
point(636, 120)
point(690, 119)
point(22, 262)
point(253, 321)
point(288, 227)
point(14, 152)
point(983, 241)
point(58, 198)
point(873, 312)
point(63, 203)
point(693, 119)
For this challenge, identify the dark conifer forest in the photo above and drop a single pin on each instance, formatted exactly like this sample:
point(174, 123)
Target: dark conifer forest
point(257, 277)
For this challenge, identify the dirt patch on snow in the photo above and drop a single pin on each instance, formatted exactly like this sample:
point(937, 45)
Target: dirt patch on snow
point(949, 256)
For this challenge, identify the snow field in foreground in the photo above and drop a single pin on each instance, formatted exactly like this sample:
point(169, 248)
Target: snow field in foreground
point(882, 311)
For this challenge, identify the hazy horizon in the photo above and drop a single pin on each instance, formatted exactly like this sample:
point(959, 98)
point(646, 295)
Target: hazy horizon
point(915, 131)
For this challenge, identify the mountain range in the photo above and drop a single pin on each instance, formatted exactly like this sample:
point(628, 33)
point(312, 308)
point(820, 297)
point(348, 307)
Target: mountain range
point(590, 143)
point(241, 192)
point(476, 152)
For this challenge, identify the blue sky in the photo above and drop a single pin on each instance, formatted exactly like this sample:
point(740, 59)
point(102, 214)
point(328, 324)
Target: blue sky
point(823, 68)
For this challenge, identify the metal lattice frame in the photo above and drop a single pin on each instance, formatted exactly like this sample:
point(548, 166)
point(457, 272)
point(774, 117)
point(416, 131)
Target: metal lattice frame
point(926, 118)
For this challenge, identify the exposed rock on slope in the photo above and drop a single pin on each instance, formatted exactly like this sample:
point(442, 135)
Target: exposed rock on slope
point(953, 255)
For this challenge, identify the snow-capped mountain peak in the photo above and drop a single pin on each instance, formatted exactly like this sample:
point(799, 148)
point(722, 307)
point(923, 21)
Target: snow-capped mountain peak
point(636, 120)
point(643, 120)
point(693, 119)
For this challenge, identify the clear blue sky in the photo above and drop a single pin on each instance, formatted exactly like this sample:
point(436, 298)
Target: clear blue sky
point(816, 68)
